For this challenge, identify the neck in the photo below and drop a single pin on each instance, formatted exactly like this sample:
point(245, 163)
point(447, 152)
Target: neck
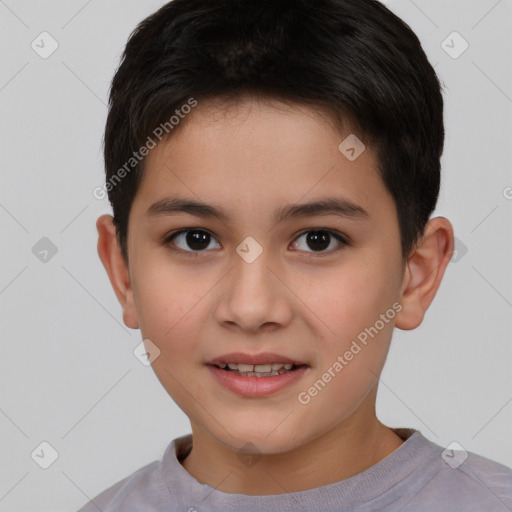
point(348, 449)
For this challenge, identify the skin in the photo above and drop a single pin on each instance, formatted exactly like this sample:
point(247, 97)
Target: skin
point(251, 158)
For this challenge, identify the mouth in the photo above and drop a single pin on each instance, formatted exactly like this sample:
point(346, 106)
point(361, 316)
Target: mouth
point(259, 370)
point(256, 375)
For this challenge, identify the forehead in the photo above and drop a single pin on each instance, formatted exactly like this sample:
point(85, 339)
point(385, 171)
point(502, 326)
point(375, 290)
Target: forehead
point(255, 153)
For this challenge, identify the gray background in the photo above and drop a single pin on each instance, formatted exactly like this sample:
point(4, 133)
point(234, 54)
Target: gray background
point(67, 372)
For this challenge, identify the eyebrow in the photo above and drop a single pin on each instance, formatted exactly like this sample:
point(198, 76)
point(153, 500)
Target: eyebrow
point(326, 206)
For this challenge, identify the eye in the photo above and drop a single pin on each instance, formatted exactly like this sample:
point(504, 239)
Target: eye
point(320, 239)
point(197, 239)
point(194, 240)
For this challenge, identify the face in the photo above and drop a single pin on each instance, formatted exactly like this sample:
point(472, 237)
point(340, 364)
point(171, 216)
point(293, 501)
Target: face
point(264, 275)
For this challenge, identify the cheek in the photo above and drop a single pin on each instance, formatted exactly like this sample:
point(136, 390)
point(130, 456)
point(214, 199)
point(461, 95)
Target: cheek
point(350, 297)
point(350, 302)
point(349, 365)
point(167, 303)
point(168, 307)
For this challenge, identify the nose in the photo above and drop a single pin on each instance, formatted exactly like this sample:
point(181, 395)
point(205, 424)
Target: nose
point(254, 296)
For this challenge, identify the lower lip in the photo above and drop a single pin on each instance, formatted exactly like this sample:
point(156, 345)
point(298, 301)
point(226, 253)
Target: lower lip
point(256, 386)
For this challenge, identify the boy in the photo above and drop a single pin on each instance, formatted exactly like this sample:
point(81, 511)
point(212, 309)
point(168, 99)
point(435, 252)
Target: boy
point(302, 140)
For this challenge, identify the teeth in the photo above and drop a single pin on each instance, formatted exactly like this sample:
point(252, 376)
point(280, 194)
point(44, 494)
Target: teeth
point(263, 369)
point(241, 367)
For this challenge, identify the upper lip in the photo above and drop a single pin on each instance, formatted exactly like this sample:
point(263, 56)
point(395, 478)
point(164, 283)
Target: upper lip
point(261, 358)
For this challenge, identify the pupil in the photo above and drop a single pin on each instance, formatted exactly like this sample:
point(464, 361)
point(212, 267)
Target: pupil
point(197, 239)
point(317, 240)
point(318, 237)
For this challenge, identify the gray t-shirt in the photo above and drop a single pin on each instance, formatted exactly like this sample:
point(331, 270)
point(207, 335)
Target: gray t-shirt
point(419, 476)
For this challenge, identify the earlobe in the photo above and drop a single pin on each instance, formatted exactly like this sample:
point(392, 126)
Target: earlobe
point(424, 272)
point(117, 270)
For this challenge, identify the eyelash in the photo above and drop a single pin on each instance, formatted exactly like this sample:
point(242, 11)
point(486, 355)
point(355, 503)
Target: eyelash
point(337, 236)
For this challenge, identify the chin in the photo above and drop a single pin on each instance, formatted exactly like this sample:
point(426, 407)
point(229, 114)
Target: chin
point(259, 442)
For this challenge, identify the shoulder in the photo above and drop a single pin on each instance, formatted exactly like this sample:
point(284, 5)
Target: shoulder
point(146, 489)
point(141, 487)
point(467, 481)
point(492, 478)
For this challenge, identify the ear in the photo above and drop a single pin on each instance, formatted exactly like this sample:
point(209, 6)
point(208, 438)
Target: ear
point(424, 272)
point(117, 270)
